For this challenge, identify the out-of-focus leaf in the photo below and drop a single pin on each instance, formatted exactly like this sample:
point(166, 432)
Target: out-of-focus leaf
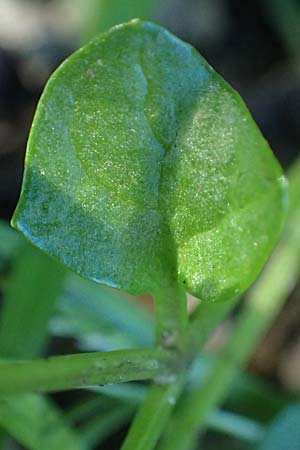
point(284, 432)
point(131, 393)
point(30, 294)
point(232, 424)
point(85, 408)
point(10, 243)
point(35, 422)
point(31, 290)
point(100, 318)
point(104, 424)
point(294, 186)
point(99, 416)
point(99, 15)
point(257, 399)
point(144, 166)
point(285, 18)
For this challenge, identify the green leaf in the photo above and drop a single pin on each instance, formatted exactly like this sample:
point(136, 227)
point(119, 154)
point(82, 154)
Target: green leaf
point(10, 242)
point(37, 424)
point(99, 15)
point(31, 290)
point(105, 424)
point(101, 318)
point(144, 166)
point(98, 417)
point(30, 294)
point(284, 432)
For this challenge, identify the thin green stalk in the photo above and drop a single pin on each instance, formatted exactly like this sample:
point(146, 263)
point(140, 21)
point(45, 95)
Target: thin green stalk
point(171, 316)
point(262, 305)
point(60, 373)
point(151, 418)
point(221, 421)
point(171, 322)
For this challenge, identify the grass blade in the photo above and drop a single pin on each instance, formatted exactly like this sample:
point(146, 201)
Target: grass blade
point(31, 291)
point(30, 294)
point(35, 422)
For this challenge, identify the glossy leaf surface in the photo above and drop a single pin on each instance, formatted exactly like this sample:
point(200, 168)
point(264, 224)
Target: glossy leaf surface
point(144, 166)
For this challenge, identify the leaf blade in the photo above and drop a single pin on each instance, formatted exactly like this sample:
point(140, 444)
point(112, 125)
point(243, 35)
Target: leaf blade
point(152, 167)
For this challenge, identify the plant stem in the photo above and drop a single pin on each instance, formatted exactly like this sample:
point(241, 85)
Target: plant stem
point(171, 320)
point(60, 373)
point(151, 419)
point(153, 415)
point(263, 304)
point(171, 316)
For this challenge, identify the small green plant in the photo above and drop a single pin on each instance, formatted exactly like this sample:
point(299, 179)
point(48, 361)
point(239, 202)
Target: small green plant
point(146, 172)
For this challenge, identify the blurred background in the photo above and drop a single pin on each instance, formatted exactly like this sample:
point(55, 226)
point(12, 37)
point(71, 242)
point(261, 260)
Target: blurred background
point(255, 46)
